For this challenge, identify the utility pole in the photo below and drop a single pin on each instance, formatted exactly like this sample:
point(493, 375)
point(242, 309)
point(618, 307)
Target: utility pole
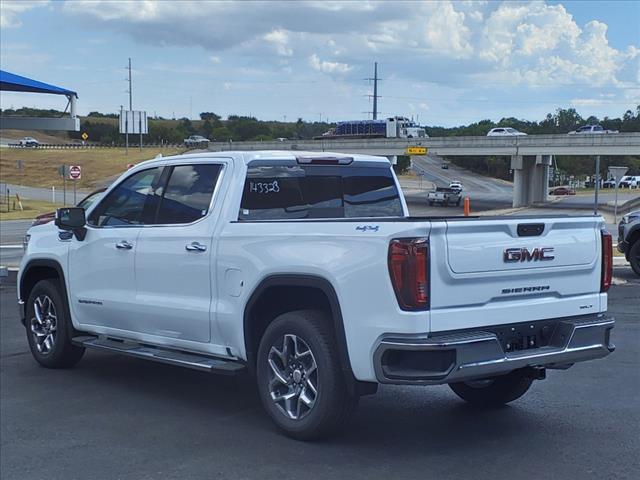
point(126, 122)
point(375, 95)
point(130, 91)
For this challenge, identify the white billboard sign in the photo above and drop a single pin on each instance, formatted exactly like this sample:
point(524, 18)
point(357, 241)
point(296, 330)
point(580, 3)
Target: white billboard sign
point(133, 121)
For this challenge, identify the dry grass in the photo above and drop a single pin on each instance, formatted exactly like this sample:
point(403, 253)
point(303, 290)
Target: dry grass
point(41, 166)
point(31, 208)
point(53, 137)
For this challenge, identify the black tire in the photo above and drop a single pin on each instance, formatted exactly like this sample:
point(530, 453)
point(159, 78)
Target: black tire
point(493, 391)
point(634, 257)
point(333, 404)
point(431, 204)
point(60, 352)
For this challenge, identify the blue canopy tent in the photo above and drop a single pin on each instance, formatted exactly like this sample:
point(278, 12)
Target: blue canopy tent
point(17, 83)
point(10, 82)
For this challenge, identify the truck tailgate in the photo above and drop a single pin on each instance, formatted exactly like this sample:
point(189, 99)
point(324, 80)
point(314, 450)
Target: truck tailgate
point(497, 271)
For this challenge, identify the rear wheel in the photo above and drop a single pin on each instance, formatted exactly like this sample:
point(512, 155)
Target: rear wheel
point(493, 391)
point(634, 257)
point(300, 380)
point(49, 328)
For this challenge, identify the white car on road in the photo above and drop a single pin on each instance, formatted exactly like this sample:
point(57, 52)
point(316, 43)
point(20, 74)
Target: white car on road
point(196, 141)
point(28, 142)
point(505, 131)
point(456, 185)
point(592, 129)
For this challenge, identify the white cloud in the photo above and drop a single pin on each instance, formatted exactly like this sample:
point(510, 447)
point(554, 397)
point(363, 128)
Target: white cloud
point(464, 48)
point(280, 40)
point(446, 31)
point(328, 67)
point(587, 102)
point(10, 10)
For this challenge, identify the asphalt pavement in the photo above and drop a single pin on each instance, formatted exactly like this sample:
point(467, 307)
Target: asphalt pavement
point(113, 417)
point(60, 195)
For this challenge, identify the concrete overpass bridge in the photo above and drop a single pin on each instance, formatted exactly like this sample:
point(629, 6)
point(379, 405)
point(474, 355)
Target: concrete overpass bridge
point(530, 155)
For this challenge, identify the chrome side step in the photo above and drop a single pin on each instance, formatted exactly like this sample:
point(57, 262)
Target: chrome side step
point(172, 357)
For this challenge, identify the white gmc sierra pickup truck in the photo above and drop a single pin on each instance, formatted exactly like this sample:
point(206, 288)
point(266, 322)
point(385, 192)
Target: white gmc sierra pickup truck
point(306, 270)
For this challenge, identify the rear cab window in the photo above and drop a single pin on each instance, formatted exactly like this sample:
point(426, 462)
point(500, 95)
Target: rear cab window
point(288, 190)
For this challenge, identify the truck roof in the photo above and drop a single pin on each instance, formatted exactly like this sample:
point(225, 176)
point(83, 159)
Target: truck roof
point(249, 156)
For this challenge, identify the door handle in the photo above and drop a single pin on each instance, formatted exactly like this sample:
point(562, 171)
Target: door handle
point(195, 247)
point(124, 245)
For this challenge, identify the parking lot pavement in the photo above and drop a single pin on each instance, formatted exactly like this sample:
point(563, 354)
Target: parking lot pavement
point(114, 417)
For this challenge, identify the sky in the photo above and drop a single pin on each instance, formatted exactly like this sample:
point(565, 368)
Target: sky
point(441, 62)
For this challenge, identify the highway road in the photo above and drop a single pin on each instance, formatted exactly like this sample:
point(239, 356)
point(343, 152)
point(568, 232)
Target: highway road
point(46, 194)
point(488, 193)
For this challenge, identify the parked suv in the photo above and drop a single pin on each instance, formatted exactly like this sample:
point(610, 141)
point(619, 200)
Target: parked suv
point(629, 239)
point(305, 269)
point(629, 181)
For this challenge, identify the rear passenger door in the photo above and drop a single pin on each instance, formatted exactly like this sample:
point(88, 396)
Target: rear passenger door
point(174, 290)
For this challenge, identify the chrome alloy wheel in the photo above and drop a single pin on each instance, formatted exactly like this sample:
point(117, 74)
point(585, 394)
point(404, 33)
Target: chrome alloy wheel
point(44, 325)
point(293, 377)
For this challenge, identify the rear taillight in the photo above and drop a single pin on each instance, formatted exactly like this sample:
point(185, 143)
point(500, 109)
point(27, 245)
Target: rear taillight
point(409, 271)
point(607, 261)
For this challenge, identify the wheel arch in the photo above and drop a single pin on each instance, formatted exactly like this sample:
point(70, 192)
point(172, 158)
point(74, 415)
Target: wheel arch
point(33, 272)
point(279, 293)
point(633, 235)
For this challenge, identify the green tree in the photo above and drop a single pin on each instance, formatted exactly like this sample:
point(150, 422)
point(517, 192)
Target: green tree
point(567, 120)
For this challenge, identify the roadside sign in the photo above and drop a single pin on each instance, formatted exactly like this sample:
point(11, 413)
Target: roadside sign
point(75, 172)
point(84, 135)
point(416, 151)
point(63, 170)
point(618, 173)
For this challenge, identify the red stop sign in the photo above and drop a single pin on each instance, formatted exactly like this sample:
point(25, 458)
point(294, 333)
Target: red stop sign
point(75, 172)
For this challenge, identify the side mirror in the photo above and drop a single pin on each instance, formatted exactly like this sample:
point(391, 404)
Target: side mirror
point(73, 219)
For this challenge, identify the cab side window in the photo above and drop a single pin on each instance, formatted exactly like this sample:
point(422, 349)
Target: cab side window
point(188, 193)
point(128, 203)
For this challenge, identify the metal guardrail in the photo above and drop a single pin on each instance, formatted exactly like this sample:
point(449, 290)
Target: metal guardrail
point(63, 146)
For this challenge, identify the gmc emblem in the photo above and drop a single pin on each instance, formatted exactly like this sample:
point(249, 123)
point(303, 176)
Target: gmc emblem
point(513, 255)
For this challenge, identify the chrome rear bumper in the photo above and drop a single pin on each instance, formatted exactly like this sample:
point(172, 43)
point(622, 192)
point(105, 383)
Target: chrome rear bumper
point(477, 354)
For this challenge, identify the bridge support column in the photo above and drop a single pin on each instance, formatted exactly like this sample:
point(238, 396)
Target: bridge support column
point(530, 179)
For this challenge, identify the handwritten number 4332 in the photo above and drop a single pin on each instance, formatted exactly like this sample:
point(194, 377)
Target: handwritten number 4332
point(264, 187)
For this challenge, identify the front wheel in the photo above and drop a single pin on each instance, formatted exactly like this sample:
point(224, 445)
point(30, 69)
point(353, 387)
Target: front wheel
point(634, 257)
point(300, 380)
point(49, 328)
point(493, 391)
